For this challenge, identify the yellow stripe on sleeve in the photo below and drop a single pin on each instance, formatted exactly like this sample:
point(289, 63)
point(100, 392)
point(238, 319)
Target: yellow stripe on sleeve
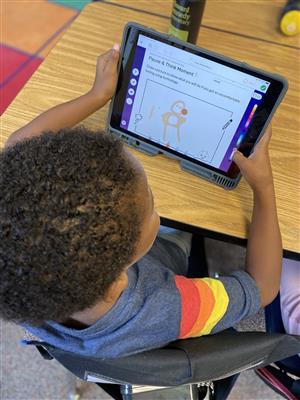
point(220, 305)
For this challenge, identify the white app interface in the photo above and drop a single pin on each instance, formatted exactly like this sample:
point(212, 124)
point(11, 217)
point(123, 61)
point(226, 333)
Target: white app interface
point(189, 103)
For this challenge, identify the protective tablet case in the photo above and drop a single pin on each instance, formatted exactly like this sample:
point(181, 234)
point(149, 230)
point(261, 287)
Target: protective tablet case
point(212, 176)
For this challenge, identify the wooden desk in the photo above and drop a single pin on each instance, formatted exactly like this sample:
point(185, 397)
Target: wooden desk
point(256, 19)
point(69, 70)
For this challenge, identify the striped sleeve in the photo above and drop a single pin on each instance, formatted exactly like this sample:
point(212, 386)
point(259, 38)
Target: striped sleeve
point(203, 303)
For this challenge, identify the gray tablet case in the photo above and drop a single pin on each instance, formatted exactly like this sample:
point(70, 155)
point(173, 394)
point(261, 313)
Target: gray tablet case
point(205, 173)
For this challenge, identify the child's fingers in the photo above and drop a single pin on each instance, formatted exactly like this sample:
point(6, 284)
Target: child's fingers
point(113, 58)
point(239, 159)
point(116, 47)
point(103, 56)
point(109, 59)
point(265, 139)
point(102, 61)
point(268, 132)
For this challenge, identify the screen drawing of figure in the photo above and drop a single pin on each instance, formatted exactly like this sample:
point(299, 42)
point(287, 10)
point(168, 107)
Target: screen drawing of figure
point(174, 118)
point(196, 127)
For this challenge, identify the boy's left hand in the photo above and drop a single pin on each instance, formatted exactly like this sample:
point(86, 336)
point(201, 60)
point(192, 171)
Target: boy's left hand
point(106, 74)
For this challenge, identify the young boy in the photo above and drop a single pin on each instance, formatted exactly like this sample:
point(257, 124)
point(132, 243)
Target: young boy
point(81, 265)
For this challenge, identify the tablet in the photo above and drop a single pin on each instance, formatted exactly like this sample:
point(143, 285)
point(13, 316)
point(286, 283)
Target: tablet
point(190, 103)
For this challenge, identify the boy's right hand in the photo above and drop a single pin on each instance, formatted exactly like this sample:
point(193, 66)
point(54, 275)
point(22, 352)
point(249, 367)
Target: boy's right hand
point(257, 169)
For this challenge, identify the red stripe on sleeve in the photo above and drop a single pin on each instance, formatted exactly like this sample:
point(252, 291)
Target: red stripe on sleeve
point(190, 303)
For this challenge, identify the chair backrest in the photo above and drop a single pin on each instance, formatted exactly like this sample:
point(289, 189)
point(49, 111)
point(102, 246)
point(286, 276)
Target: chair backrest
point(186, 361)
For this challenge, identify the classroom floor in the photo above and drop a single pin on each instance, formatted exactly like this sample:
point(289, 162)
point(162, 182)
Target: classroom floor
point(30, 29)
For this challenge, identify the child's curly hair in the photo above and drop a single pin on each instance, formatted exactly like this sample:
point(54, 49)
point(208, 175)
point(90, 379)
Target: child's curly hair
point(68, 223)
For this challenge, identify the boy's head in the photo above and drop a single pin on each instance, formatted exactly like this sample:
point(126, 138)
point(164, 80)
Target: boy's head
point(75, 211)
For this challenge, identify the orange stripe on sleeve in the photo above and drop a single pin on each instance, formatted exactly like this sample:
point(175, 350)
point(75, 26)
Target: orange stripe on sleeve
point(207, 301)
point(221, 304)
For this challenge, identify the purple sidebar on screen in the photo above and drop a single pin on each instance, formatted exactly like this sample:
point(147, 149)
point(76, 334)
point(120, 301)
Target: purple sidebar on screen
point(132, 85)
point(241, 131)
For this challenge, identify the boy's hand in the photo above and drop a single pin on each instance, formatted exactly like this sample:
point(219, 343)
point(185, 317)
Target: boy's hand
point(106, 74)
point(257, 169)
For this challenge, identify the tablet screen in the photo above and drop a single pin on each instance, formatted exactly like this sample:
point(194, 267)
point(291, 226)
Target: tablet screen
point(190, 104)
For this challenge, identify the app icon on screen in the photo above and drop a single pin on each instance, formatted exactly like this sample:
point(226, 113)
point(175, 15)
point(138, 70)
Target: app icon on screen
point(133, 81)
point(135, 71)
point(129, 101)
point(131, 92)
point(123, 122)
point(257, 96)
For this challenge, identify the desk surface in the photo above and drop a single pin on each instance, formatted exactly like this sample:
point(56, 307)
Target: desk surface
point(256, 19)
point(68, 72)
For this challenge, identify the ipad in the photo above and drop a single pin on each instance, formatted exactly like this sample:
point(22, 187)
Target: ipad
point(190, 103)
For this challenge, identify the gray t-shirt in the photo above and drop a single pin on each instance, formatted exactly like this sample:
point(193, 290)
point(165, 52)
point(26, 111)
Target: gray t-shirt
point(159, 306)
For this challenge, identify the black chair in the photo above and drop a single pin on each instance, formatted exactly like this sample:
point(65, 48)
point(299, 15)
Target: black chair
point(191, 361)
point(209, 364)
